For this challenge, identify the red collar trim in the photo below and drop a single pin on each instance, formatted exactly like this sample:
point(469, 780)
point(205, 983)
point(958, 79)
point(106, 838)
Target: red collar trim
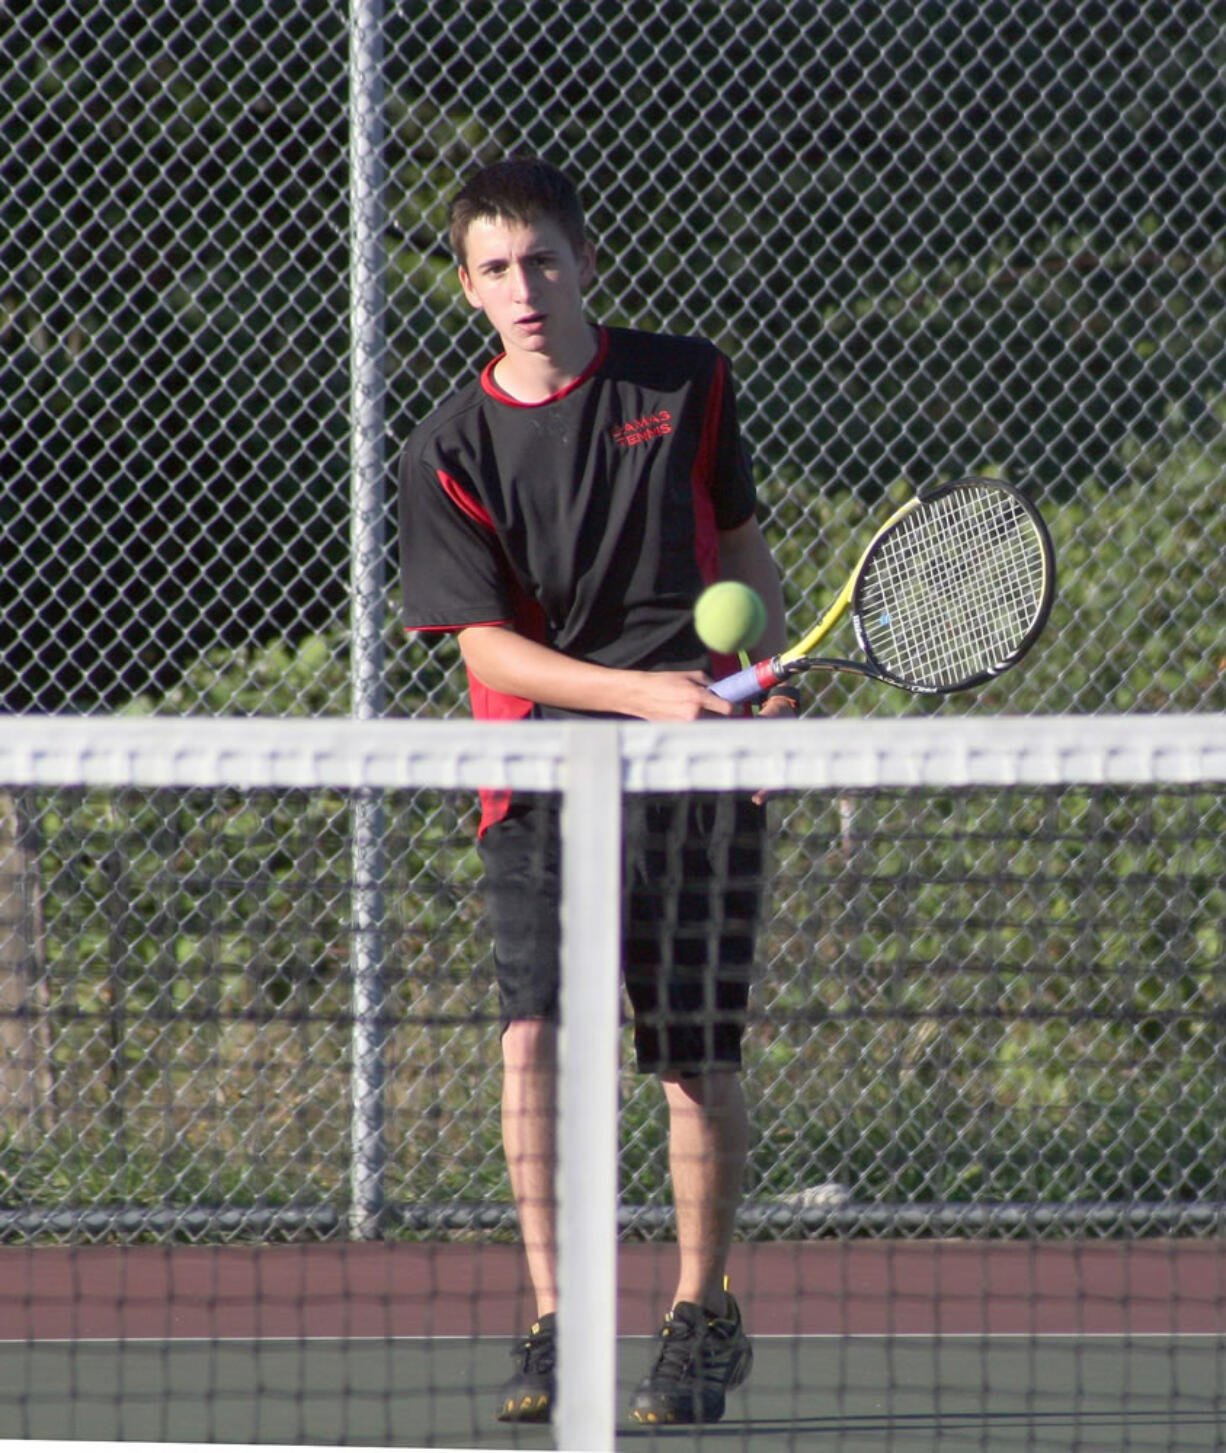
point(491, 388)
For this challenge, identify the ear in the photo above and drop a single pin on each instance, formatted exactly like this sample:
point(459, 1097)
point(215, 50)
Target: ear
point(469, 291)
point(587, 265)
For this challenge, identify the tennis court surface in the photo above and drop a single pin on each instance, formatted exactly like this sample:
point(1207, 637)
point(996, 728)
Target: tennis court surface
point(860, 1345)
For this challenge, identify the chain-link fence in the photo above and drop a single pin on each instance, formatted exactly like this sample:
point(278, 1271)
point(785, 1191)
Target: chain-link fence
point(992, 1003)
point(934, 239)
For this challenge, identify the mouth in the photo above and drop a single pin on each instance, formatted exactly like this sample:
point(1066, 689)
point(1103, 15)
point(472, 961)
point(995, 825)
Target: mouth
point(531, 320)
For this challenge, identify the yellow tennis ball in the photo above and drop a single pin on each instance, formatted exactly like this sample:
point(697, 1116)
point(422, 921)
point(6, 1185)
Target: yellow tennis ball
point(729, 617)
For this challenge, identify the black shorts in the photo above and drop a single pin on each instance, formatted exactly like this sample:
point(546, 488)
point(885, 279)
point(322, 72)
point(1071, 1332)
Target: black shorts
point(692, 887)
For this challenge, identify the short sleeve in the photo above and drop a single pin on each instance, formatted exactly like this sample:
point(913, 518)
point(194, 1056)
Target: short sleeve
point(452, 569)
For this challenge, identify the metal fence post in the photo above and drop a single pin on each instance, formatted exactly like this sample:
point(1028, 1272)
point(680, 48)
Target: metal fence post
point(367, 196)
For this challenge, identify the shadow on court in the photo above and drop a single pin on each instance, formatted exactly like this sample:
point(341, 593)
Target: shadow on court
point(866, 1394)
point(1057, 1432)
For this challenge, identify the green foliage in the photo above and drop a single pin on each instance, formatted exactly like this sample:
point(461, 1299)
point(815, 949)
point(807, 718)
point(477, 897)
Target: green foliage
point(174, 390)
point(1088, 1046)
point(1141, 574)
point(311, 676)
point(1010, 995)
point(995, 995)
point(875, 257)
point(198, 950)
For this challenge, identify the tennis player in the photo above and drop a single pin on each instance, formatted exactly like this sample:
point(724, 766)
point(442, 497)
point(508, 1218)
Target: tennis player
point(561, 514)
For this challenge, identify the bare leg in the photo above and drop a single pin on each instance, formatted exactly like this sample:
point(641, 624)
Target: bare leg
point(529, 1099)
point(708, 1144)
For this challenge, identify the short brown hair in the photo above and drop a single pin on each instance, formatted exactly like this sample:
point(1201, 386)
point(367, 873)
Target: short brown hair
point(522, 189)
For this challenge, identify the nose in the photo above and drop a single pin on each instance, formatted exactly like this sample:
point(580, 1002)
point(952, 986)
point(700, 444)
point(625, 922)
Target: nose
point(522, 282)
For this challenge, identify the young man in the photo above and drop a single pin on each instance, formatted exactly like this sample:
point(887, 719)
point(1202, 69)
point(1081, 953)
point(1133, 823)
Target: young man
point(561, 515)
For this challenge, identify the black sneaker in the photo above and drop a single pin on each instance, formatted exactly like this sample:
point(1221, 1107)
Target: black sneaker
point(528, 1396)
point(700, 1357)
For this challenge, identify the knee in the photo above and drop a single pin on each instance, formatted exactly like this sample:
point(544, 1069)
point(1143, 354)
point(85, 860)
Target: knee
point(712, 1090)
point(530, 1043)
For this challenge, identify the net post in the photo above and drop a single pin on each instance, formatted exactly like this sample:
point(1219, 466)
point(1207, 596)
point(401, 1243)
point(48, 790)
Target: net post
point(368, 1152)
point(587, 1088)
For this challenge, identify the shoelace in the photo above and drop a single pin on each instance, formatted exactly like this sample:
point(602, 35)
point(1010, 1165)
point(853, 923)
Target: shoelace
point(679, 1345)
point(538, 1352)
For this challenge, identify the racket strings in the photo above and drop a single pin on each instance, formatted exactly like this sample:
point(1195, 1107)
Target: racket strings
point(954, 589)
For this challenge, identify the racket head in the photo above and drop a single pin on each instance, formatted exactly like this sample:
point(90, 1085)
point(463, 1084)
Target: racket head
point(956, 590)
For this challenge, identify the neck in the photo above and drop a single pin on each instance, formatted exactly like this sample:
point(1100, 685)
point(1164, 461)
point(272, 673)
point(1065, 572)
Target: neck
point(533, 377)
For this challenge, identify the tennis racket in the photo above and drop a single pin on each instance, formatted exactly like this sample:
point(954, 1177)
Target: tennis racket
point(952, 590)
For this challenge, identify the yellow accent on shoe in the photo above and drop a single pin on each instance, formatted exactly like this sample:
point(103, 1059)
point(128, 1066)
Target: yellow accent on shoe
point(528, 1396)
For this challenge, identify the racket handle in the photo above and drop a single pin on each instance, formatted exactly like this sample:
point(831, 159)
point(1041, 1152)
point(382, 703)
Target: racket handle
point(754, 681)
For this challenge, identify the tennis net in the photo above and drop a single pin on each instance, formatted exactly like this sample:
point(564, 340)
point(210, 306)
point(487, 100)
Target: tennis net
point(253, 1186)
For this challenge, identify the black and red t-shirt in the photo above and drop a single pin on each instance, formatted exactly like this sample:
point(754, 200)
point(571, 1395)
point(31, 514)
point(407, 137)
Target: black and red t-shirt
point(588, 521)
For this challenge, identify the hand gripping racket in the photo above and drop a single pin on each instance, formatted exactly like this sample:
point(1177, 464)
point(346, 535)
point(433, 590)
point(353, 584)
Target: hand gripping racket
point(952, 590)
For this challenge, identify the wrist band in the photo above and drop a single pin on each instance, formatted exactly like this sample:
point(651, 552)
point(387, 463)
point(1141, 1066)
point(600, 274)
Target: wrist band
point(789, 693)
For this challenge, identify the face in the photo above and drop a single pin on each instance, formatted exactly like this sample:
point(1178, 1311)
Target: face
point(528, 280)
